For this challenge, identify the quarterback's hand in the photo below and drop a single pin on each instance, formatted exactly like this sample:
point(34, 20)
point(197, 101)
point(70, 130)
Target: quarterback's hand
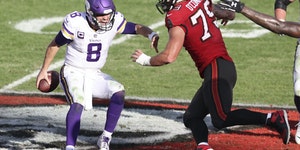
point(139, 57)
point(232, 5)
point(42, 75)
point(154, 42)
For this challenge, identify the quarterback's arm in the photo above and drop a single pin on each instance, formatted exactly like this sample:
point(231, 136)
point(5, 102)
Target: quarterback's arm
point(51, 51)
point(149, 33)
point(269, 22)
point(133, 28)
point(145, 31)
point(168, 55)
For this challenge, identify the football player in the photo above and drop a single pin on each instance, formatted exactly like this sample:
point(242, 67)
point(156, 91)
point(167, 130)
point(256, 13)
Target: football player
point(280, 8)
point(88, 36)
point(277, 25)
point(192, 24)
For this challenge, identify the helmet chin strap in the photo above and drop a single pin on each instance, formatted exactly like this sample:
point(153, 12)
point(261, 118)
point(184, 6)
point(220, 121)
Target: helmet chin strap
point(91, 24)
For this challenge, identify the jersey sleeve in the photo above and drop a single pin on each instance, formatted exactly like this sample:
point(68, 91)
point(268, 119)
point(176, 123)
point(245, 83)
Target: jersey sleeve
point(129, 28)
point(68, 25)
point(124, 27)
point(60, 40)
point(177, 18)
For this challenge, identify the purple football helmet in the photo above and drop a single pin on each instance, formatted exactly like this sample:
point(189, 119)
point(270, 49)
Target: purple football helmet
point(99, 8)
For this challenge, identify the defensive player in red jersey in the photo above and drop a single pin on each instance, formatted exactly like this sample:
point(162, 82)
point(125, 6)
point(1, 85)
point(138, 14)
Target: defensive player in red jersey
point(192, 24)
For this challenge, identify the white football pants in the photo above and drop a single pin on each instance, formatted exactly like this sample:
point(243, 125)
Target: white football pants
point(297, 70)
point(81, 85)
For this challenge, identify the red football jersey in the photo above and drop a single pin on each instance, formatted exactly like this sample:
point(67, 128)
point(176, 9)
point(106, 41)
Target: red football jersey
point(203, 38)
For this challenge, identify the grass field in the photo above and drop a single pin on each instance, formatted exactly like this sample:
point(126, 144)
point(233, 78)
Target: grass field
point(264, 63)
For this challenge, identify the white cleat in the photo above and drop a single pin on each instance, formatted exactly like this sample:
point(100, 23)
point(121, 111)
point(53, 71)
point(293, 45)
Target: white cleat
point(103, 142)
point(70, 147)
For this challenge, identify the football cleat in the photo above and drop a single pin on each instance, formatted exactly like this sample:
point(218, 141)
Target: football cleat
point(204, 147)
point(279, 120)
point(70, 147)
point(103, 142)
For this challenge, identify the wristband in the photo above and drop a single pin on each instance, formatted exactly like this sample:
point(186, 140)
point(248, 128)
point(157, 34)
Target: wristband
point(144, 60)
point(151, 35)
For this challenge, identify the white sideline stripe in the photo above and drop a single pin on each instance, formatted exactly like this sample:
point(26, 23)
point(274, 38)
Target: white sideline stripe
point(59, 63)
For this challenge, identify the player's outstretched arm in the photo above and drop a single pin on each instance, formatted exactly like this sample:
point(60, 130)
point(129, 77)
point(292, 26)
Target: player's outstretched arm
point(168, 55)
point(269, 22)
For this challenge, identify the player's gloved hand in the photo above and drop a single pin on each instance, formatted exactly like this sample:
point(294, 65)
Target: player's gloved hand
point(232, 5)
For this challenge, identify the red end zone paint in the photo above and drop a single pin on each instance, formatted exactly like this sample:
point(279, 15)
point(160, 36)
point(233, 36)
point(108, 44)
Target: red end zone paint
point(19, 100)
point(248, 139)
point(15, 100)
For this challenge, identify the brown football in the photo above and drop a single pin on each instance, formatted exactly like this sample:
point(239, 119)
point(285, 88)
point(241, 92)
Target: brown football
point(54, 79)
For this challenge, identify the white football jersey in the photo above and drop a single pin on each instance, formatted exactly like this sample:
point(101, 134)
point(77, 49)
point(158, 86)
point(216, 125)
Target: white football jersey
point(88, 48)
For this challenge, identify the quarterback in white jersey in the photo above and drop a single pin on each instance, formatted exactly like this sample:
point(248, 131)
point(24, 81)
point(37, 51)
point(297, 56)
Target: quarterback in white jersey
point(89, 48)
point(88, 36)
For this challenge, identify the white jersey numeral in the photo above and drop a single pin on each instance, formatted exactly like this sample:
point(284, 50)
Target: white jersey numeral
point(200, 13)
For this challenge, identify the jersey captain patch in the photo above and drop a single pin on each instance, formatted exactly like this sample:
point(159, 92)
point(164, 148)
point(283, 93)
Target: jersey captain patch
point(80, 35)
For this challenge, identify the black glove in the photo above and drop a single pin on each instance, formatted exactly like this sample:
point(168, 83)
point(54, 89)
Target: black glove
point(232, 5)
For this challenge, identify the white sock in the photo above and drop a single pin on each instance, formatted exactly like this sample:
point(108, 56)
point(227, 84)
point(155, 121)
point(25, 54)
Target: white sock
point(203, 143)
point(106, 133)
point(269, 115)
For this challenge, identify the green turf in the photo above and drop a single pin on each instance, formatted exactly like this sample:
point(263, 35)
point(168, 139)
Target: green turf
point(264, 64)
